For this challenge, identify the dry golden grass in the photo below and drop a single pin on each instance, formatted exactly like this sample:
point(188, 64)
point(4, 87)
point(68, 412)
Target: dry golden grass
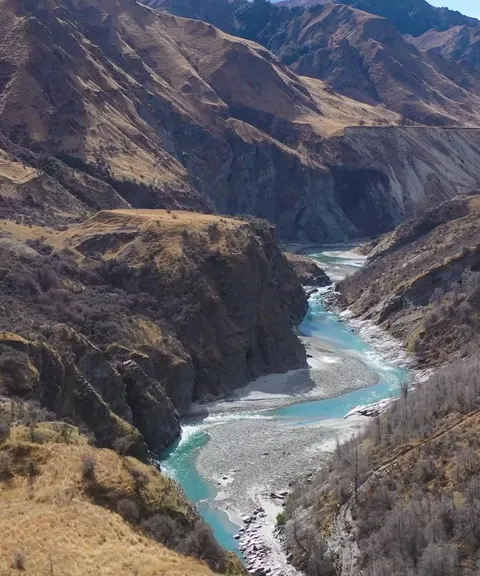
point(339, 111)
point(140, 235)
point(15, 171)
point(9, 229)
point(49, 520)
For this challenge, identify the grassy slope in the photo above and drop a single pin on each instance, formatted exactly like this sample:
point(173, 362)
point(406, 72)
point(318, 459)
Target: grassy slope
point(60, 522)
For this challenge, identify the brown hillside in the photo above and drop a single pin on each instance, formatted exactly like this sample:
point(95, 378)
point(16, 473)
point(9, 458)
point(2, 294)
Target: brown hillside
point(139, 105)
point(63, 510)
point(364, 57)
point(422, 282)
point(108, 106)
point(460, 44)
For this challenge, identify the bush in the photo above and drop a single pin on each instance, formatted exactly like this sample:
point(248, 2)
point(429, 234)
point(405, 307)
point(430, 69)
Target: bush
point(164, 529)
point(128, 510)
point(89, 464)
point(407, 518)
point(201, 544)
point(6, 464)
point(19, 561)
point(281, 519)
point(140, 479)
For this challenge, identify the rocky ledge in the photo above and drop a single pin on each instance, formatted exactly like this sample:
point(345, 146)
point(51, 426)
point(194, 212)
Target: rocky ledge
point(308, 271)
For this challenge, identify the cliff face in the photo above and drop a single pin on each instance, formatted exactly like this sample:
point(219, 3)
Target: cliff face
point(162, 308)
point(308, 271)
point(389, 174)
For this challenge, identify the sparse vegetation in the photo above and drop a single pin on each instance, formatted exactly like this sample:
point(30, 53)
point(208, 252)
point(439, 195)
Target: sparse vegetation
point(409, 481)
point(281, 520)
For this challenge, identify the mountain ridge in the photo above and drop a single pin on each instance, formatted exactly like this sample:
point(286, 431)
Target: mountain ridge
point(358, 53)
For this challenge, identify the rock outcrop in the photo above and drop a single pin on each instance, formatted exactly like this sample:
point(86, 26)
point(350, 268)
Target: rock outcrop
point(308, 271)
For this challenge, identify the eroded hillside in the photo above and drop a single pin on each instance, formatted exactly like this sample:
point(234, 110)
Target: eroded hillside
point(112, 105)
point(422, 282)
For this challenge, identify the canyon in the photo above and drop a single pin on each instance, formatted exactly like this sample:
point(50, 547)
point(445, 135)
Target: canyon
point(153, 157)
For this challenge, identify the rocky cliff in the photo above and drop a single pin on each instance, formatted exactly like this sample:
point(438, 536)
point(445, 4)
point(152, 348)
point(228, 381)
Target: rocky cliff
point(308, 271)
point(122, 321)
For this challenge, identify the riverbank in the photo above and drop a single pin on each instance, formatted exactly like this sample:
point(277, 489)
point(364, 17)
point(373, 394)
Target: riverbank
point(329, 374)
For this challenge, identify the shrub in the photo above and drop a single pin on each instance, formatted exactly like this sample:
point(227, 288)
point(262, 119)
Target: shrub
point(201, 544)
point(19, 561)
point(164, 529)
point(88, 467)
point(5, 467)
point(128, 510)
point(140, 479)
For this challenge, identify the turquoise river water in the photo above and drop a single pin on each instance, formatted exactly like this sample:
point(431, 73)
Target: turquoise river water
point(180, 460)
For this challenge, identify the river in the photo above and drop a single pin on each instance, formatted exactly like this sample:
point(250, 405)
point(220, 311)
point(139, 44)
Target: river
point(282, 427)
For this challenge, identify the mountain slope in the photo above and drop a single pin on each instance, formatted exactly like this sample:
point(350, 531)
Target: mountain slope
point(146, 109)
point(127, 107)
point(423, 282)
point(364, 57)
point(358, 54)
point(460, 44)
